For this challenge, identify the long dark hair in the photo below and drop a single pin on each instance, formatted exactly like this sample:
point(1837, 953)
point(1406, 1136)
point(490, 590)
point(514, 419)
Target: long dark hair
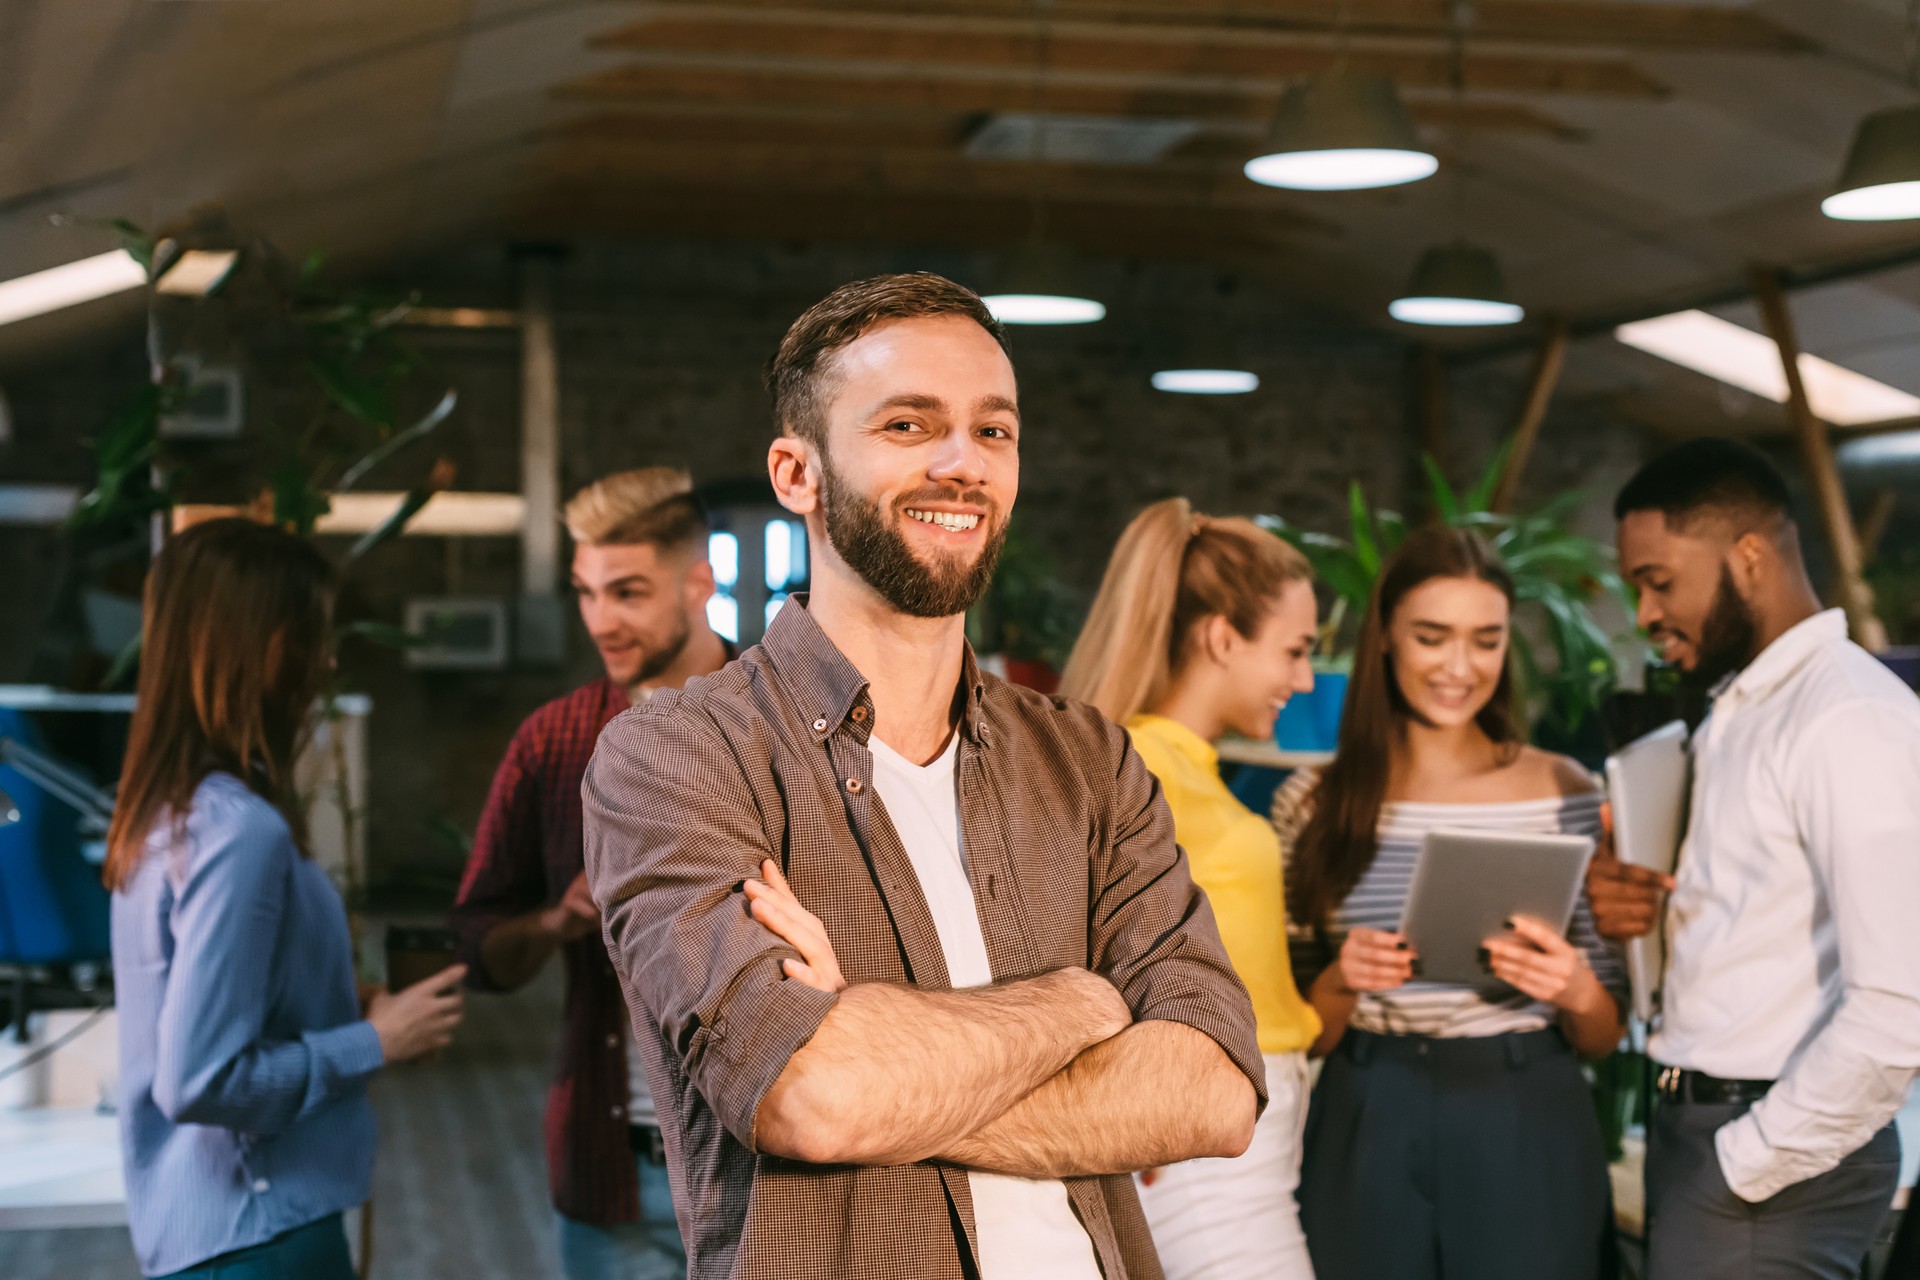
point(233, 653)
point(1341, 835)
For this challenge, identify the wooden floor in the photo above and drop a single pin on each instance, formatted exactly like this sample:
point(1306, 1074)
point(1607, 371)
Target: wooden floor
point(460, 1190)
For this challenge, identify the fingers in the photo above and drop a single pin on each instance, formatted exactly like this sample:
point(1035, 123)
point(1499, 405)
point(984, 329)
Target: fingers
point(448, 979)
point(1539, 934)
point(771, 870)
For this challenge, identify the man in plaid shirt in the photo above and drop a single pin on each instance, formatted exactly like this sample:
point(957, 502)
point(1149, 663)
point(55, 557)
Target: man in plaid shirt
point(641, 574)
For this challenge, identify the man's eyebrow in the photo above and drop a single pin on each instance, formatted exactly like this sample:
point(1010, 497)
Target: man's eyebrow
point(912, 400)
point(996, 404)
point(627, 581)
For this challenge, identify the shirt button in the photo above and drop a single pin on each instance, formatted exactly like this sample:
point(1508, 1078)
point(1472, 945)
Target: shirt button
point(260, 1186)
point(853, 785)
point(860, 713)
point(819, 726)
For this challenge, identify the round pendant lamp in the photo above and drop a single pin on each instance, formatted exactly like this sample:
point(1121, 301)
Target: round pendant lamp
point(1881, 181)
point(1458, 285)
point(1206, 382)
point(1341, 131)
point(1039, 289)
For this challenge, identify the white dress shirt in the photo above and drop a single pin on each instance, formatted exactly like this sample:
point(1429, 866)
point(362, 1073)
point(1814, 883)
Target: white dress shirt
point(1791, 932)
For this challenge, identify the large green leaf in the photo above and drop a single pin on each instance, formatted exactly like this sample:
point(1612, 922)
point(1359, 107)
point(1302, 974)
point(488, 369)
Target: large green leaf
point(393, 525)
point(361, 397)
point(1439, 492)
point(1365, 547)
point(1480, 497)
point(400, 440)
point(298, 503)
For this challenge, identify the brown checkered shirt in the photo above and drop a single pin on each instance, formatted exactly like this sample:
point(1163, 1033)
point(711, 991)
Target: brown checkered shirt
point(1071, 852)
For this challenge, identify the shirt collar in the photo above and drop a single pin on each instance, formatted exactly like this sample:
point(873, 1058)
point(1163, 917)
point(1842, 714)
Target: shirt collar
point(1788, 652)
point(830, 687)
point(1178, 736)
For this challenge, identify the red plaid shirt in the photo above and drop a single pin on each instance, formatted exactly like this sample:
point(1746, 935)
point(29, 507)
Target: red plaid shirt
point(525, 854)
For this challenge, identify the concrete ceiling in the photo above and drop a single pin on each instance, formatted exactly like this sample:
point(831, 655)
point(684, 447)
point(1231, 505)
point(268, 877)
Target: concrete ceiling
point(1623, 156)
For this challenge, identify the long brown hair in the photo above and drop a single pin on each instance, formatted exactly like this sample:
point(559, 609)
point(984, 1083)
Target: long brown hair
point(233, 652)
point(1341, 835)
point(1171, 568)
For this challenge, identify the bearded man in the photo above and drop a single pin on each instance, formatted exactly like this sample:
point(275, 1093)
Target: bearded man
point(1005, 992)
point(1789, 1024)
point(641, 575)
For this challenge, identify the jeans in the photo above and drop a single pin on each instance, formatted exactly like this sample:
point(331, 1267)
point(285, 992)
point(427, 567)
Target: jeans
point(645, 1250)
point(317, 1251)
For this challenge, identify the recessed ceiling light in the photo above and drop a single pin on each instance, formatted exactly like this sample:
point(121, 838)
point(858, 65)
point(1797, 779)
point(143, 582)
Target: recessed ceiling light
point(1742, 358)
point(198, 272)
point(1897, 446)
point(1206, 382)
point(66, 286)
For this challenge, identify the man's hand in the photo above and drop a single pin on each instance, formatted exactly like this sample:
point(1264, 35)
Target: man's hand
point(574, 916)
point(775, 906)
point(1625, 898)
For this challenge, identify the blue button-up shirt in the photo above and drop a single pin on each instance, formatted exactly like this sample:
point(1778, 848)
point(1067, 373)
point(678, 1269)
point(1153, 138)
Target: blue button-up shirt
point(243, 1055)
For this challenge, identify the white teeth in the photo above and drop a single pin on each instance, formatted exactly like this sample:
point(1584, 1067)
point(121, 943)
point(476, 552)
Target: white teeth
point(951, 521)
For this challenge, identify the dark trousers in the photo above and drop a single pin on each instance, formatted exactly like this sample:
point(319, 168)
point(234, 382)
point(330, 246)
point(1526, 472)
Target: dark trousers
point(1474, 1159)
point(317, 1251)
point(1697, 1229)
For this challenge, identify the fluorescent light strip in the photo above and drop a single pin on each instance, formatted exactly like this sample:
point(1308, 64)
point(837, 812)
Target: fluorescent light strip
point(1356, 169)
point(1900, 446)
point(1748, 360)
point(76, 282)
point(198, 273)
point(37, 504)
point(1043, 308)
point(446, 515)
point(1206, 382)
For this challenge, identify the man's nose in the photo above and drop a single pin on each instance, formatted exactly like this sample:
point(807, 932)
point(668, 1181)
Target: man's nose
point(959, 459)
point(1646, 614)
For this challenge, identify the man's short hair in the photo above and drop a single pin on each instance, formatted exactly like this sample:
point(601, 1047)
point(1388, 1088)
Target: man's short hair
point(652, 506)
point(800, 374)
point(1710, 478)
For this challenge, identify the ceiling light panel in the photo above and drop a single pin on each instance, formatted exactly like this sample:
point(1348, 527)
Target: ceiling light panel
point(70, 285)
point(1748, 360)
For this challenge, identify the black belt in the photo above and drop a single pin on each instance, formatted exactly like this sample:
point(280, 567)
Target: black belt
point(1676, 1085)
point(647, 1143)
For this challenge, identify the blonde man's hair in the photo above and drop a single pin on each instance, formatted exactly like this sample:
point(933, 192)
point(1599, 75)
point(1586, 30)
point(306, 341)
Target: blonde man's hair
point(652, 506)
point(1173, 568)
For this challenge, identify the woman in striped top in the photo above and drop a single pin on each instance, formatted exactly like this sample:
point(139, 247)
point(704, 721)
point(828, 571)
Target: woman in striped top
point(1451, 1134)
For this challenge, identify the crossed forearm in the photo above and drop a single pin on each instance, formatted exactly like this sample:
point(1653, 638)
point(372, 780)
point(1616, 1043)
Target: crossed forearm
point(1157, 1093)
point(896, 1075)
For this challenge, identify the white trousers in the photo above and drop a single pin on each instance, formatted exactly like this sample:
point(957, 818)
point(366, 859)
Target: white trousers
point(1238, 1219)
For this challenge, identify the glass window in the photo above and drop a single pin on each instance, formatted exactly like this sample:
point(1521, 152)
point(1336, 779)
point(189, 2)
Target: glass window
point(723, 615)
point(723, 550)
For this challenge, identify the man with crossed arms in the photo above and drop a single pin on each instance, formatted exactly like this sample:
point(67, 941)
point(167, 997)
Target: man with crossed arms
point(1035, 1000)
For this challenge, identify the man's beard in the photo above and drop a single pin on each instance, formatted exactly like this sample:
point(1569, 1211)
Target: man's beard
point(655, 661)
point(875, 549)
point(1727, 637)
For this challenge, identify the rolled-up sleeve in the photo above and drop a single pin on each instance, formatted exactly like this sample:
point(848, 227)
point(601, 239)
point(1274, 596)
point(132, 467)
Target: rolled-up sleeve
point(1857, 806)
point(1152, 927)
point(672, 830)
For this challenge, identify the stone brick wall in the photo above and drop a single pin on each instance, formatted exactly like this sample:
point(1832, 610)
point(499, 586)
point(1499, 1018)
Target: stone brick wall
point(660, 352)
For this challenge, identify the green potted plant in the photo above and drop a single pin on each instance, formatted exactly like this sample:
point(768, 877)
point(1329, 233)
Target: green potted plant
point(1028, 619)
point(1559, 575)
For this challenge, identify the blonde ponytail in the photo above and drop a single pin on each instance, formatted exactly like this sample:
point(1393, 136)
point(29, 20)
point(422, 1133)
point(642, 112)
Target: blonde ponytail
point(1172, 568)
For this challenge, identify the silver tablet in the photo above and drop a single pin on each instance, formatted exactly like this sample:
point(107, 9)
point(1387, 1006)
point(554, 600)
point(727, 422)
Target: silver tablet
point(1467, 883)
point(1648, 781)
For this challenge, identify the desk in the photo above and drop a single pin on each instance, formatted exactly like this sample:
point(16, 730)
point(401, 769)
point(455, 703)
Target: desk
point(60, 1167)
point(1265, 755)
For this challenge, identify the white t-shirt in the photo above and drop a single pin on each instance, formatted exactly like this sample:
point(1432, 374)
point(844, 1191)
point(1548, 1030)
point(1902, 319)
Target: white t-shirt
point(1025, 1227)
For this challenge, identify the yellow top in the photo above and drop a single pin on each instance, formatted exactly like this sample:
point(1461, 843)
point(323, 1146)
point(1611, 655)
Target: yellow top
point(1235, 856)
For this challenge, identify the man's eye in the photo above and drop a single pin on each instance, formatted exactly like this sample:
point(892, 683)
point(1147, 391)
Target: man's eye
point(998, 433)
point(903, 425)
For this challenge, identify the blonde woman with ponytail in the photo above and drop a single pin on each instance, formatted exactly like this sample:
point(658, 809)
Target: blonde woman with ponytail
point(1205, 627)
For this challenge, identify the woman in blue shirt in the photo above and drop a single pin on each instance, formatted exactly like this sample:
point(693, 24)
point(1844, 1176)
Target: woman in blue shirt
point(244, 1052)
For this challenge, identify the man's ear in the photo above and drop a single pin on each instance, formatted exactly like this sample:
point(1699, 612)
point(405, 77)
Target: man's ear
point(1752, 557)
point(699, 583)
point(793, 468)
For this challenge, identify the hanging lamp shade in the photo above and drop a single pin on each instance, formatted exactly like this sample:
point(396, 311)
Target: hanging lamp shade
point(1201, 359)
point(1341, 131)
point(1039, 288)
point(1881, 182)
point(1457, 284)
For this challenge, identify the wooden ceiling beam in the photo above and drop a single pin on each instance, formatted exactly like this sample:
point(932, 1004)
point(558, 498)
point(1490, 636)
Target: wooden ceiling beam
point(964, 46)
point(1570, 23)
point(861, 174)
point(687, 92)
point(953, 219)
